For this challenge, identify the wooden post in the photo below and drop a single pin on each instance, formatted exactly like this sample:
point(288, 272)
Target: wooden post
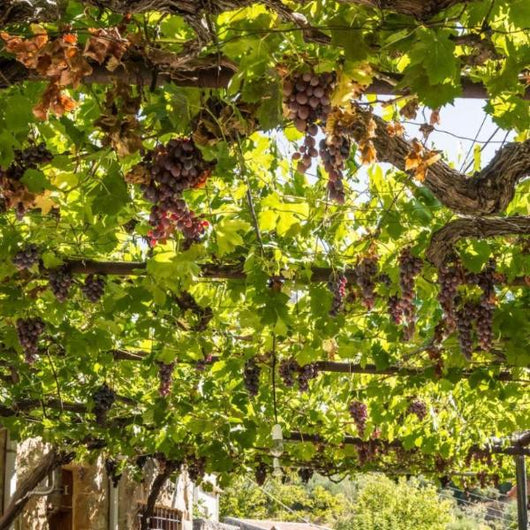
point(522, 494)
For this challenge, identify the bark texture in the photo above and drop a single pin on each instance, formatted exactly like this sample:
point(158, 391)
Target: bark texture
point(488, 192)
point(443, 241)
point(160, 480)
point(420, 9)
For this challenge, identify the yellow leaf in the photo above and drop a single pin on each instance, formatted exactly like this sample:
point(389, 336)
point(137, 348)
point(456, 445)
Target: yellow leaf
point(44, 202)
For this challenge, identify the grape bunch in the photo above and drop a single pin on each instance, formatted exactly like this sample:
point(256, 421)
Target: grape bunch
point(165, 376)
point(103, 398)
point(307, 97)
point(359, 413)
point(409, 267)
point(305, 374)
point(28, 158)
point(435, 355)
point(28, 331)
point(164, 175)
point(417, 407)
point(486, 306)
point(334, 152)
point(27, 257)
point(337, 285)
point(251, 375)
point(394, 309)
point(93, 288)
point(196, 468)
point(449, 278)
point(202, 363)
point(366, 272)
point(260, 473)
point(305, 474)
point(464, 323)
point(288, 368)
point(60, 280)
point(111, 467)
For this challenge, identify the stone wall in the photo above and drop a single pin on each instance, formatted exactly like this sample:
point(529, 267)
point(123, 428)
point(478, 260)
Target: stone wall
point(91, 493)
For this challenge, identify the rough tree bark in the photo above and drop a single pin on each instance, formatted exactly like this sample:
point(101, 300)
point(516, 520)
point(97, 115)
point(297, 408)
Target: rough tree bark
point(443, 241)
point(488, 192)
point(48, 463)
point(420, 9)
point(160, 480)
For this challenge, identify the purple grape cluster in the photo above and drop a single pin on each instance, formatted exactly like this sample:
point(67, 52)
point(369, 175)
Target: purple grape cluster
point(366, 273)
point(60, 281)
point(260, 473)
point(359, 413)
point(251, 375)
point(337, 285)
point(307, 97)
point(111, 467)
point(305, 374)
point(196, 468)
point(93, 288)
point(419, 408)
point(288, 368)
point(449, 278)
point(334, 152)
point(394, 309)
point(165, 376)
point(103, 398)
point(305, 474)
point(465, 317)
point(173, 168)
point(27, 257)
point(409, 267)
point(28, 158)
point(28, 331)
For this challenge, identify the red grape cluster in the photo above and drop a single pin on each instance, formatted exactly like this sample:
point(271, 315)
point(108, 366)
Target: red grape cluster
point(170, 170)
point(305, 474)
point(359, 413)
point(465, 316)
point(28, 331)
point(196, 468)
point(201, 365)
point(409, 267)
point(165, 376)
point(337, 285)
point(94, 287)
point(260, 473)
point(103, 398)
point(334, 152)
point(394, 309)
point(308, 99)
point(419, 408)
point(60, 280)
point(27, 257)
point(366, 273)
point(251, 375)
point(478, 454)
point(435, 355)
point(449, 278)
